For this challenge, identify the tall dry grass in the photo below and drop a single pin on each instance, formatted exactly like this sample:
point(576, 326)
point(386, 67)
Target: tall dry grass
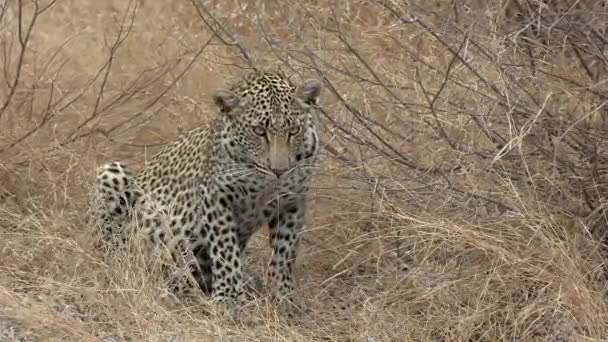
point(463, 188)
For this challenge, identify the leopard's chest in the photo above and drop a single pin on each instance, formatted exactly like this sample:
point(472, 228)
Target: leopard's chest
point(257, 202)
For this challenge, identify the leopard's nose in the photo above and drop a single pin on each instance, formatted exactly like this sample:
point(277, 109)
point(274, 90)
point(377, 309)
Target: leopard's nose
point(279, 172)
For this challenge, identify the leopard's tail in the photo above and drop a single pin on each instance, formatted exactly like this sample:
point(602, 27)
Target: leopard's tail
point(114, 201)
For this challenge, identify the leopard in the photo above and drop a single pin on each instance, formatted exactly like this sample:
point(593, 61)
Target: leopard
point(207, 192)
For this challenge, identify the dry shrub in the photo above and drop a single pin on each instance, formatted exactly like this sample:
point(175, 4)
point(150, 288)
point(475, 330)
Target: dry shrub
point(463, 187)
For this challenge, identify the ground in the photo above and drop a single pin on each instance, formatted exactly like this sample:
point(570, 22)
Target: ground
point(461, 188)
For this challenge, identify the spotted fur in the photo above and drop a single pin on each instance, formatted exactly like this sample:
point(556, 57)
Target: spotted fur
point(210, 190)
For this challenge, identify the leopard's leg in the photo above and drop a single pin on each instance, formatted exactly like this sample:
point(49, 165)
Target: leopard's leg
point(220, 223)
point(285, 227)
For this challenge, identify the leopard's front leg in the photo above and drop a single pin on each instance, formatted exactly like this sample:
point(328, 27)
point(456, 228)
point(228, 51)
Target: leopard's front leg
point(285, 228)
point(220, 222)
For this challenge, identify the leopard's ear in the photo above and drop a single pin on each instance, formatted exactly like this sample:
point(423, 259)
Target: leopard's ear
point(310, 91)
point(225, 100)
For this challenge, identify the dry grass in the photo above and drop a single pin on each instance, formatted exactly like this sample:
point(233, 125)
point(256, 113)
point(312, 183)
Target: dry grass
point(463, 189)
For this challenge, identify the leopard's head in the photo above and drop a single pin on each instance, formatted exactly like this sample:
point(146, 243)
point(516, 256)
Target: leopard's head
point(270, 123)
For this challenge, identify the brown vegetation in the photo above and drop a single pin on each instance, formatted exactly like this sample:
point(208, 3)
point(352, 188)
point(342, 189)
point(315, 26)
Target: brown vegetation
point(463, 190)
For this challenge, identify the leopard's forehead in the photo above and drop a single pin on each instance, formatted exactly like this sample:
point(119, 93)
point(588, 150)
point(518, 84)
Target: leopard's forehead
point(260, 83)
point(268, 97)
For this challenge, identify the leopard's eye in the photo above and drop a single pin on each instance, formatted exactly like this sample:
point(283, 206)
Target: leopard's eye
point(294, 130)
point(259, 130)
